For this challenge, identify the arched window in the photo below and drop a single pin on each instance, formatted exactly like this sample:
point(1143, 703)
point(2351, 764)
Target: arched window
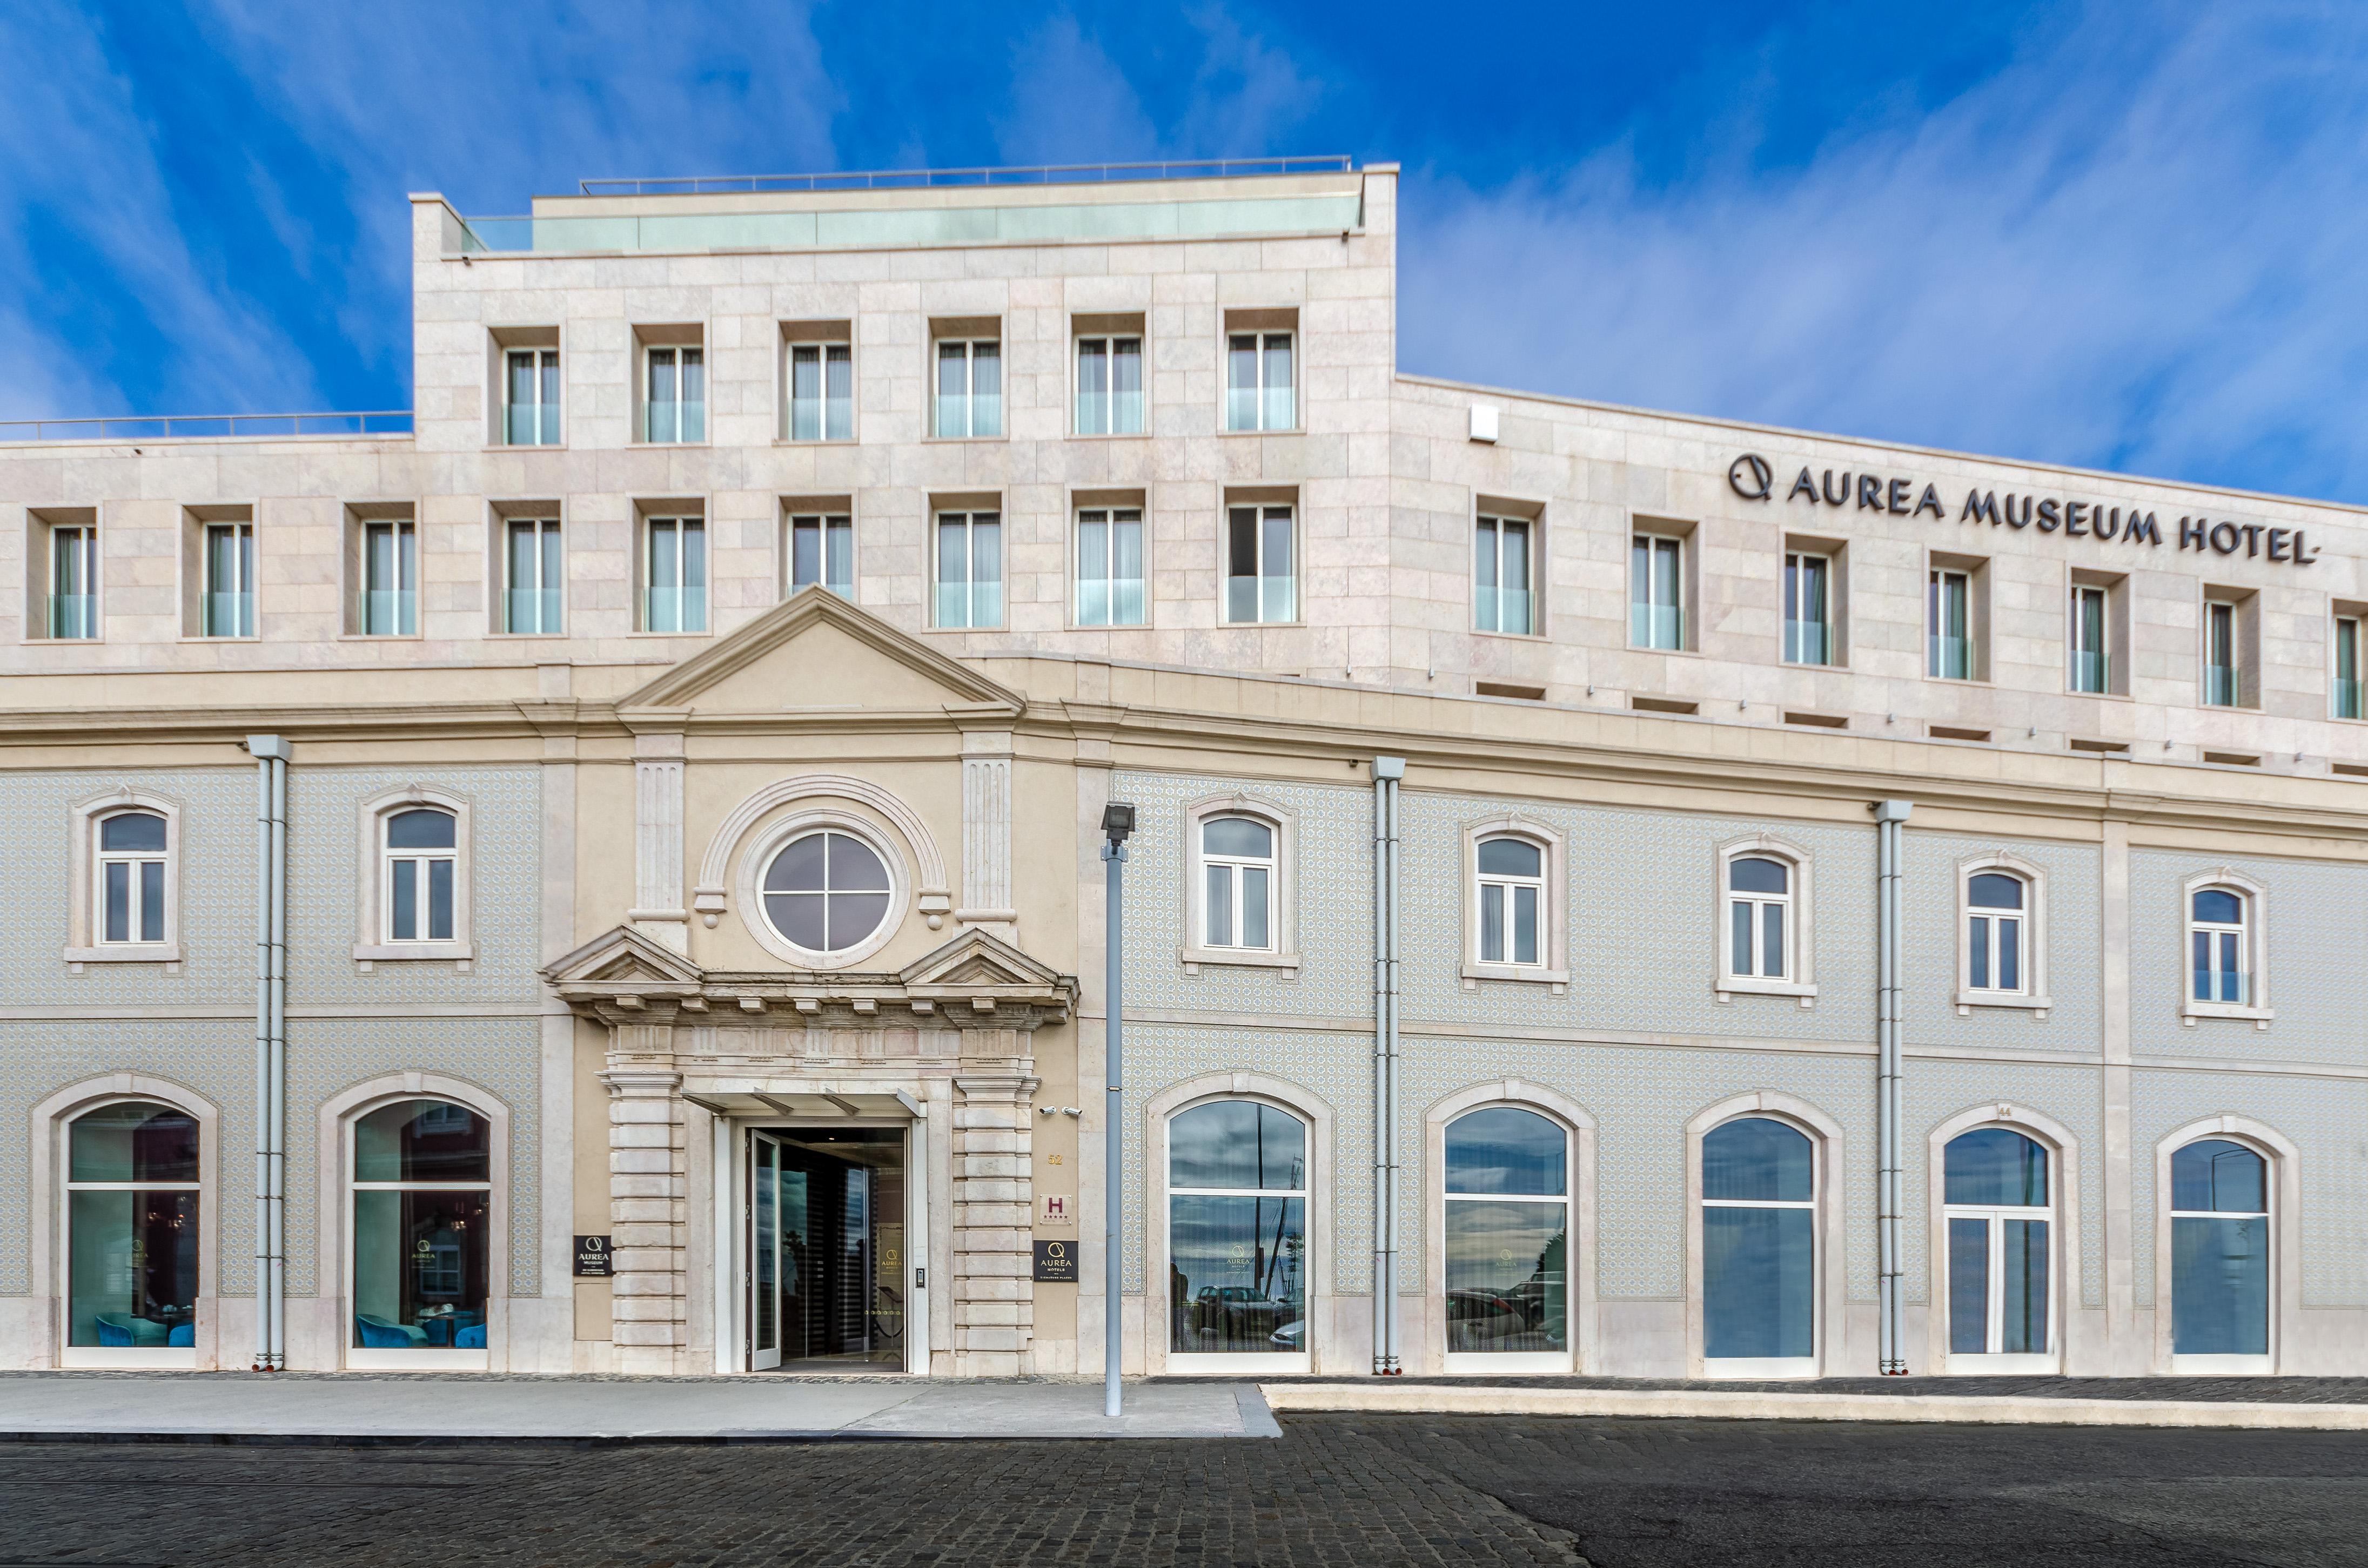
point(423, 1211)
point(826, 891)
point(2220, 1253)
point(1760, 935)
point(1236, 1231)
point(1508, 1197)
point(1997, 910)
point(422, 861)
point(2220, 947)
point(129, 897)
point(1238, 861)
point(1995, 1200)
point(1512, 902)
point(1760, 1251)
point(133, 1206)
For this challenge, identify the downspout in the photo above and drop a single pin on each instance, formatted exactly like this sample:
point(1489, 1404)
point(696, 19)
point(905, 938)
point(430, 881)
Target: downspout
point(1387, 771)
point(1890, 817)
point(271, 753)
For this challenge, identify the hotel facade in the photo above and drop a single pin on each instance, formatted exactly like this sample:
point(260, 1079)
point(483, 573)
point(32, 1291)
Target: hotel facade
point(603, 873)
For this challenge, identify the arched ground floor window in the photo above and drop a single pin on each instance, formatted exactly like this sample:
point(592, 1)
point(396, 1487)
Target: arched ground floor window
point(1237, 1257)
point(420, 1251)
point(1508, 1239)
point(133, 1226)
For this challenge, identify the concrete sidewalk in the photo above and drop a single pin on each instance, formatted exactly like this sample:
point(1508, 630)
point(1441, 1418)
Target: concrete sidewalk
point(407, 1407)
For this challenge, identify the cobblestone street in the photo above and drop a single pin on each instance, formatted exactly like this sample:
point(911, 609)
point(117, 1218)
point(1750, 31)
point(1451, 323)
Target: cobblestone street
point(1333, 1490)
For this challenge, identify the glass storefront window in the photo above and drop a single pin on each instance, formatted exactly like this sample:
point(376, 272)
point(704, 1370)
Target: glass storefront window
point(1508, 1232)
point(1237, 1231)
point(423, 1211)
point(2219, 1250)
point(133, 1206)
point(1759, 1243)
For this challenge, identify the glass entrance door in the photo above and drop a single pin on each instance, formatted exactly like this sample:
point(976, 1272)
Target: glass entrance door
point(828, 1261)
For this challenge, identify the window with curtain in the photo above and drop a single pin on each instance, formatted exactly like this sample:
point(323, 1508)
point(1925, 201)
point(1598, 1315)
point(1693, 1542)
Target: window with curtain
point(1110, 566)
point(1656, 592)
point(2091, 662)
point(226, 603)
point(74, 581)
point(969, 569)
point(1511, 885)
point(674, 574)
point(1996, 1209)
point(2222, 679)
point(1948, 625)
point(1236, 1231)
point(2348, 703)
point(1808, 608)
point(1759, 937)
point(821, 550)
point(1759, 1200)
point(132, 1210)
point(535, 577)
point(675, 406)
point(1259, 394)
point(1262, 579)
point(1996, 913)
point(1237, 869)
point(1110, 386)
point(2220, 947)
point(2220, 1250)
point(421, 859)
point(1507, 1212)
point(1501, 576)
point(390, 592)
point(422, 1218)
point(970, 387)
point(130, 897)
point(530, 397)
point(822, 392)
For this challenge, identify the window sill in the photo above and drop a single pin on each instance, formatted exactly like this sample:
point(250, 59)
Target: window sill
point(666, 445)
point(2190, 1011)
point(674, 635)
point(1968, 999)
point(1109, 626)
point(1511, 636)
point(1109, 435)
point(546, 636)
point(1730, 986)
point(814, 440)
point(959, 440)
point(1532, 974)
point(2101, 695)
point(1841, 665)
point(1238, 957)
point(1665, 653)
point(1957, 680)
point(379, 637)
point(1986, 1364)
point(369, 954)
point(204, 637)
point(526, 446)
point(165, 953)
point(1293, 430)
point(1259, 625)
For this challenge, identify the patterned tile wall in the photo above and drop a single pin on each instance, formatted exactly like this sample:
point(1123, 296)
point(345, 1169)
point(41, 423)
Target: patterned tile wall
point(1932, 1092)
point(1928, 939)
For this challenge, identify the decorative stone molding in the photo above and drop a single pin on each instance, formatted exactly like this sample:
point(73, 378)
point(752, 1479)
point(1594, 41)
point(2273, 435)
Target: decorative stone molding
point(712, 896)
point(986, 832)
point(658, 841)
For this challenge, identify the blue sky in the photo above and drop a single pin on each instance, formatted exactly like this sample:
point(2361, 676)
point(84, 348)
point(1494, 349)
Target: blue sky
point(2130, 235)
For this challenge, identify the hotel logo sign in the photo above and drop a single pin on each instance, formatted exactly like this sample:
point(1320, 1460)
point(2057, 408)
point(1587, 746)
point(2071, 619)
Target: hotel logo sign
point(1752, 477)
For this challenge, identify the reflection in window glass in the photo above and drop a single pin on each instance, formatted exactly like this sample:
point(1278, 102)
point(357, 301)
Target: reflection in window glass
point(1237, 1229)
point(423, 1200)
point(1512, 887)
point(1995, 1189)
point(132, 1229)
point(1508, 1232)
point(2220, 1250)
point(1758, 1242)
point(1237, 860)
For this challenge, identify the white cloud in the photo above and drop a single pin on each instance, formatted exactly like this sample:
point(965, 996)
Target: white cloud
point(2140, 247)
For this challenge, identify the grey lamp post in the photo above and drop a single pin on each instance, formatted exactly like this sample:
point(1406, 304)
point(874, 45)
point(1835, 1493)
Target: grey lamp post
point(1118, 823)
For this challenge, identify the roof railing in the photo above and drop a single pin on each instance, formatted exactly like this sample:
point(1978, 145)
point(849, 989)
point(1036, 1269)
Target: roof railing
point(200, 426)
point(1043, 174)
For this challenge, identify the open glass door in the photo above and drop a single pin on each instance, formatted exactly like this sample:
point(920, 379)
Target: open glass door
point(829, 1269)
point(764, 1252)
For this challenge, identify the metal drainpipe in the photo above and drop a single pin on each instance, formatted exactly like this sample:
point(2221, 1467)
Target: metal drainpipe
point(1889, 816)
point(271, 753)
point(1387, 772)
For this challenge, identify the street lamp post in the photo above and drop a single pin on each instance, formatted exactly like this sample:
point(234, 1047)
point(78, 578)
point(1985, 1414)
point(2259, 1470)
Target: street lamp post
point(1118, 823)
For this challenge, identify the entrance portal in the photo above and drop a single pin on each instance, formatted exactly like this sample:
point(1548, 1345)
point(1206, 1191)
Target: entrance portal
point(826, 1250)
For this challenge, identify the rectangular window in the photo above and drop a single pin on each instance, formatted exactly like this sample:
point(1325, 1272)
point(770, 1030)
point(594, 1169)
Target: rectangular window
point(74, 581)
point(2222, 686)
point(821, 550)
point(674, 574)
point(1110, 386)
point(534, 574)
point(1656, 593)
point(1501, 598)
point(1260, 581)
point(822, 392)
point(389, 594)
point(530, 397)
point(2091, 658)
point(1947, 608)
point(2346, 668)
point(970, 388)
point(969, 569)
point(1110, 566)
point(675, 408)
point(1808, 608)
point(1258, 381)
point(226, 605)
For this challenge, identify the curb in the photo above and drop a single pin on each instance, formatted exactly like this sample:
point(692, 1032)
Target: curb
point(1711, 1404)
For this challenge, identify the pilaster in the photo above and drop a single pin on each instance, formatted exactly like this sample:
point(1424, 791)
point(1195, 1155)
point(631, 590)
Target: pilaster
point(986, 834)
point(994, 1200)
point(658, 909)
point(649, 1210)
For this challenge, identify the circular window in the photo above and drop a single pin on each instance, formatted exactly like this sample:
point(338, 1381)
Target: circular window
point(826, 891)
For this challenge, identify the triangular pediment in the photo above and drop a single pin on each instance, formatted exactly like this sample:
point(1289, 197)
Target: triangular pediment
point(816, 649)
point(622, 959)
point(975, 960)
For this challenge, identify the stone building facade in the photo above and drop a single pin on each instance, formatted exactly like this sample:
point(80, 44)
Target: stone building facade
point(695, 734)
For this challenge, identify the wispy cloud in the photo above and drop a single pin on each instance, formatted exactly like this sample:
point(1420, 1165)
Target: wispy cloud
point(2139, 248)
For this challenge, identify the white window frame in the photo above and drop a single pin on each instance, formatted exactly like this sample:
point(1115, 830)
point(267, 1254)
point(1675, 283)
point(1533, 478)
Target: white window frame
point(1654, 543)
point(87, 904)
point(1799, 980)
point(2256, 934)
point(1237, 869)
point(374, 943)
point(2217, 610)
point(968, 398)
point(1264, 512)
point(1276, 1363)
point(544, 528)
point(2032, 995)
point(2284, 1186)
point(677, 360)
point(1937, 583)
point(645, 568)
point(339, 1117)
point(1109, 342)
point(822, 350)
point(1514, 1363)
point(404, 535)
point(1993, 1360)
point(1791, 589)
point(1265, 342)
point(1108, 517)
point(242, 588)
point(2346, 633)
point(1825, 1174)
point(52, 1260)
point(2081, 593)
point(80, 539)
point(823, 525)
point(1552, 968)
point(1282, 918)
point(972, 517)
point(546, 359)
point(777, 836)
point(1490, 526)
